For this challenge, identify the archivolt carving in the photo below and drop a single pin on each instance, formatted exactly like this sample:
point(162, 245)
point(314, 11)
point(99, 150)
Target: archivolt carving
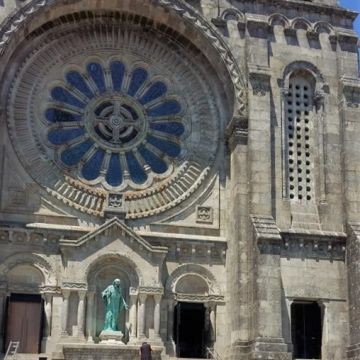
point(192, 269)
point(124, 262)
point(233, 14)
point(28, 259)
point(279, 19)
point(301, 23)
point(303, 66)
point(31, 9)
point(323, 27)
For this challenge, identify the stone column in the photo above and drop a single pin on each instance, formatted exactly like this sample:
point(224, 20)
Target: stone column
point(133, 317)
point(81, 313)
point(48, 313)
point(157, 298)
point(141, 316)
point(212, 318)
point(2, 317)
point(170, 320)
point(89, 315)
point(65, 311)
point(239, 270)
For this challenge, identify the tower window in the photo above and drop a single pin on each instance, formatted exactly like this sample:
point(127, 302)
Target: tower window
point(299, 126)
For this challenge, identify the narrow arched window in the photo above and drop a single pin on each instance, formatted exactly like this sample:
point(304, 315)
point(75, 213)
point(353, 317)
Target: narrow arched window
point(299, 137)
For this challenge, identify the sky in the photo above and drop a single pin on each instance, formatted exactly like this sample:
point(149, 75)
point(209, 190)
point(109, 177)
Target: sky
point(353, 5)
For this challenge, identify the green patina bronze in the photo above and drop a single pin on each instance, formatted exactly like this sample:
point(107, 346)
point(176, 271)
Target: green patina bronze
point(114, 304)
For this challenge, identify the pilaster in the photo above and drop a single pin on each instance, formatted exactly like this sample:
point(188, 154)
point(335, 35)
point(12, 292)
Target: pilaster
point(239, 254)
point(2, 315)
point(269, 342)
point(90, 316)
point(65, 311)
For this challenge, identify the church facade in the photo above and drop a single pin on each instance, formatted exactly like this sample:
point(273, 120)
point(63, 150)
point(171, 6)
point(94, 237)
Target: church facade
point(203, 152)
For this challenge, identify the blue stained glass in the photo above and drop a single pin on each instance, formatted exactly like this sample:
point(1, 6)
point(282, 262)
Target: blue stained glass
point(171, 127)
point(138, 77)
point(92, 167)
point(62, 136)
point(76, 80)
point(114, 173)
point(117, 74)
point(62, 95)
point(56, 115)
point(73, 155)
point(155, 91)
point(170, 107)
point(157, 165)
point(166, 146)
point(137, 173)
point(96, 72)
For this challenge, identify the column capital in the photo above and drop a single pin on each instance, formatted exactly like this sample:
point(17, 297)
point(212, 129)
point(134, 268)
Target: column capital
point(90, 294)
point(65, 293)
point(82, 294)
point(142, 297)
point(157, 298)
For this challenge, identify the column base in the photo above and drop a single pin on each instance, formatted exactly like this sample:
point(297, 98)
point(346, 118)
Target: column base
point(353, 352)
point(240, 350)
point(274, 348)
point(170, 348)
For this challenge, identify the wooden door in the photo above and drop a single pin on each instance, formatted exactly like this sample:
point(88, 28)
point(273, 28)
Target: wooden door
point(24, 324)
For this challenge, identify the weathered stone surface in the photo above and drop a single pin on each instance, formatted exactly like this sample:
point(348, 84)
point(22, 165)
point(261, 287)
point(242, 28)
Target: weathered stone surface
point(233, 129)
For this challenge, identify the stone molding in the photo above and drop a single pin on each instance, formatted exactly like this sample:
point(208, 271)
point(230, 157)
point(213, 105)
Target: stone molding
point(314, 244)
point(265, 229)
point(218, 299)
point(260, 80)
point(289, 243)
point(124, 230)
point(74, 286)
point(261, 25)
point(237, 132)
point(151, 290)
point(351, 92)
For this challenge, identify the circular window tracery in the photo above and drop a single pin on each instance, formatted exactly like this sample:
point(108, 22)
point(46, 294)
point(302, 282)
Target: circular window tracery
point(114, 129)
point(163, 99)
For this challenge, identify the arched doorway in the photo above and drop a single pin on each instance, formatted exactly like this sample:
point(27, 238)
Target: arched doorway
point(24, 308)
point(192, 330)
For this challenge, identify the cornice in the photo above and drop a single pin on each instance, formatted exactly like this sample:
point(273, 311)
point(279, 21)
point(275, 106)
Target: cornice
point(311, 7)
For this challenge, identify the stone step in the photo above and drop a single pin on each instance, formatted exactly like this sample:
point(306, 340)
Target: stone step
point(20, 356)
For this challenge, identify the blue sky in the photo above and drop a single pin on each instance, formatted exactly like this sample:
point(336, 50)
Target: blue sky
point(353, 5)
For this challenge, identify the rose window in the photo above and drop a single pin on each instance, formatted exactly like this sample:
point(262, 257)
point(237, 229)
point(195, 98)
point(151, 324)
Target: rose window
point(114, 125)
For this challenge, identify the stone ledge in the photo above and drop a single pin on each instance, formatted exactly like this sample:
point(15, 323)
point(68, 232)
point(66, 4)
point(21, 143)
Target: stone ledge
point(106, 352)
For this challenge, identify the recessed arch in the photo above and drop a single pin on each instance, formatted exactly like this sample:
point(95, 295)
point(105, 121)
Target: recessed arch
point(127, 266)
point(201, 273)
point(27, 259)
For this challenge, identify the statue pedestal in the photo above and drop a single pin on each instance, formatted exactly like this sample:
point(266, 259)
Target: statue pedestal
point(111, 337)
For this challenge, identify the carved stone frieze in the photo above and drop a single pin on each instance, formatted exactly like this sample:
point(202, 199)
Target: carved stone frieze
point(151, 290)
point(351, 92)
point(260, 81)
point(74, 286)
point(204, 214)
point(200, 298)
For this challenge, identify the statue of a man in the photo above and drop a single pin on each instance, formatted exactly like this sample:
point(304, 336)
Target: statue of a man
point(114, 303)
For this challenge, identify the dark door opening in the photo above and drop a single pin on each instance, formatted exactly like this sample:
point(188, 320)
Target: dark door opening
point(189, 330)
point(306, 330)
point(24, 322)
